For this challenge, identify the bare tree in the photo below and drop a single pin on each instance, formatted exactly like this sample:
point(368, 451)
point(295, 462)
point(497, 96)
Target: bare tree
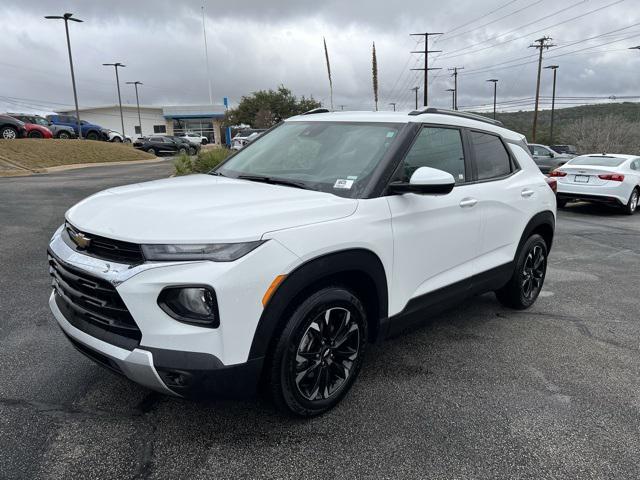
point(610, 134)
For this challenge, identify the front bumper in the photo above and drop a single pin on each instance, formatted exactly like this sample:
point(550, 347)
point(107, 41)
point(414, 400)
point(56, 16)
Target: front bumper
point(173, 357)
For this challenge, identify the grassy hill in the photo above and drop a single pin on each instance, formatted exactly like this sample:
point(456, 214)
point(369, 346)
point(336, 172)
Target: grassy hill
point(31, 154)
point(522, 121)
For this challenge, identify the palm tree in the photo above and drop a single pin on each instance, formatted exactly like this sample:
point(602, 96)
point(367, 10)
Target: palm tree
point(374, 68)
point(326, 55)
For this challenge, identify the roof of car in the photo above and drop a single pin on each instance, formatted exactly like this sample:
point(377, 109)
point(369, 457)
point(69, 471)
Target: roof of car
point(444, 117)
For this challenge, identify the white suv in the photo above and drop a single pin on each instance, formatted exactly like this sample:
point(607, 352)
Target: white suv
point(331, 231)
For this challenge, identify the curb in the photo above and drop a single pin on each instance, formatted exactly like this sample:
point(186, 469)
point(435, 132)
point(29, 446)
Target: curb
point(23, 172)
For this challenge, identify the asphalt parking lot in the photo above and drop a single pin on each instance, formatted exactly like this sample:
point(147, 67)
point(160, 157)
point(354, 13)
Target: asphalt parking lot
point(479, 392)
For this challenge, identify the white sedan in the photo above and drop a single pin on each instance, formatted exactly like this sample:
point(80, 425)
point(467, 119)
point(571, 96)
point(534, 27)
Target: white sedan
point(195, 138)
point(608, 178)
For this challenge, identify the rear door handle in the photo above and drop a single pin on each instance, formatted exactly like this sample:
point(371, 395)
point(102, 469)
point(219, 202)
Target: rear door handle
point(526, 193)
point(468, 202)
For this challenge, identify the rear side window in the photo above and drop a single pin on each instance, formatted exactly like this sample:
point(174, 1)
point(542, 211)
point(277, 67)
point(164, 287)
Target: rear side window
point(492, 159)
point(439, 148)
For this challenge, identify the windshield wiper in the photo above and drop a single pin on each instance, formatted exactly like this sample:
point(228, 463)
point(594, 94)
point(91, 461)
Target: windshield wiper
point(273, 181)
point(217, 174)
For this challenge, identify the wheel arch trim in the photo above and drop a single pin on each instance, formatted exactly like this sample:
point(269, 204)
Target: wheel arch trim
point(312, 272)
point(544, 219)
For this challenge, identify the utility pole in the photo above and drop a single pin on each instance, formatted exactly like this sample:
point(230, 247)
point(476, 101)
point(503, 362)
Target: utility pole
point(453, 97)
point(426, 68)
point(553, 98)
point(495, 92)
point(540, 44)
point(394, 105)
point(455, 85)
point(66, 17)
point(206, 57)
point(415, 89)
point(637, 47)
point(116, 65)
point(135, 84)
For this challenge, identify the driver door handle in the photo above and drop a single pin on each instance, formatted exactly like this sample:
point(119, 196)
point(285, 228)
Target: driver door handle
point(468, 202)
point(526, 193)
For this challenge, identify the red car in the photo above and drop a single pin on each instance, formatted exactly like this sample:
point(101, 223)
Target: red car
point(37, 131)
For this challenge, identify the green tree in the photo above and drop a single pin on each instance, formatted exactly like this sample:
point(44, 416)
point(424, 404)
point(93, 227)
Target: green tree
point(265, 108)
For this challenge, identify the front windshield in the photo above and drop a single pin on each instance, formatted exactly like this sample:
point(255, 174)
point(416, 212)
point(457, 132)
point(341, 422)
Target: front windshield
point(334, 157)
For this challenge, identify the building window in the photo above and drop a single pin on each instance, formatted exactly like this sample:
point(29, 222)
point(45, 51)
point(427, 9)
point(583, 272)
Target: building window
point(138, 130)
point(159, 129)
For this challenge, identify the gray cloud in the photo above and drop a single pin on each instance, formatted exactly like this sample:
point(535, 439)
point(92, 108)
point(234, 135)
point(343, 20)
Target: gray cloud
point(256, 44)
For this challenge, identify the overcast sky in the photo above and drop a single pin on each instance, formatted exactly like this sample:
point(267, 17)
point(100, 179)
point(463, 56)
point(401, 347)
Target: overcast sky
point(258, 44)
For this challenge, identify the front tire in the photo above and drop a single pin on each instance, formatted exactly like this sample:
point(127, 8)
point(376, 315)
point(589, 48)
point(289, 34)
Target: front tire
point(35, 134)
point(92, 136)
point(8, 133)
point(319, 353)
point(182, 151)
point(524, 286)
point(116, 140)
point(152, 151)
point(204, 141)
point(64, 136)
point(632, 204)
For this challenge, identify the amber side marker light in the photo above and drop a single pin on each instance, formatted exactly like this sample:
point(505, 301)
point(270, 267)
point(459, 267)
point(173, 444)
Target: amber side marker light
point(272, 289)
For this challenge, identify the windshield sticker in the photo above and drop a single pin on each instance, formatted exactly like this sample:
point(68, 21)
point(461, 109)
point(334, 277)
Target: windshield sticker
point(343, 184)
point(390, 134)
point(352, 177)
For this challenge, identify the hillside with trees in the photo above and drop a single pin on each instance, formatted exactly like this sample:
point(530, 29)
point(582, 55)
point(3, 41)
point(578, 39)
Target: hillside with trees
point(612, 127)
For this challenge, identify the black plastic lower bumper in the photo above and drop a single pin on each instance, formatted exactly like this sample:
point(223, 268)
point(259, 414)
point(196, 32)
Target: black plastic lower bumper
point(588, 198)
point(197, 375)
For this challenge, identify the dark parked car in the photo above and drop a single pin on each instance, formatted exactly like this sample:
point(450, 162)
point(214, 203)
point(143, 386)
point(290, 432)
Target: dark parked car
point(158, 144)
point(546, 158)
point(568, 149)
point(11, 128)
point(90, 131)
point(58, 131)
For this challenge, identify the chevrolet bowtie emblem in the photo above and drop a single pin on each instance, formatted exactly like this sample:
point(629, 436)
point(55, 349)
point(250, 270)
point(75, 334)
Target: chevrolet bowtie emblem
point(80, 239)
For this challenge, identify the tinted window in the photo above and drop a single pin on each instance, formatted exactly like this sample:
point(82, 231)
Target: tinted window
point(597, 161)
point(156, 139)
point(159, 129)
point(439, 148)
point(491, 156)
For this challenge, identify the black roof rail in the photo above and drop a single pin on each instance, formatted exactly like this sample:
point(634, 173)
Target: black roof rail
point(456, 113)
point(317, 110)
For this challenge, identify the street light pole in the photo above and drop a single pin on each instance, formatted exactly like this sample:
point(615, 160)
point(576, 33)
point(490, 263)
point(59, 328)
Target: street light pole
point(66, 17)
point(135, 84)
point(495, 92)
point(553, 99)
point(116, 65)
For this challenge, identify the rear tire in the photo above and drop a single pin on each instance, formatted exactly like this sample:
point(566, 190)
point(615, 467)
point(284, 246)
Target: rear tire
point(524, 286)
point(204, 141)
point(92, 136)
point(192, 151)
point(182, 151)
point(8, 133)
point(319, 353)
point(117, 140)
point(632, 204)
point(152, 151)
point(64, 135)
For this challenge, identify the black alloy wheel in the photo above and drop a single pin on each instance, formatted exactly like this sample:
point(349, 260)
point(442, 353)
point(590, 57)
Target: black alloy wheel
point(326, 353)
point(525, 284)
point(318, 355)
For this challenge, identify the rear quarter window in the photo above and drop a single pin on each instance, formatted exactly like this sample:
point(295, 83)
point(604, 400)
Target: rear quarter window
point(491, 156)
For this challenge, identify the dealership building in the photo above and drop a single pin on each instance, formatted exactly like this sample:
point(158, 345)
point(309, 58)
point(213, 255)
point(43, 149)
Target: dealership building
point(171, 120)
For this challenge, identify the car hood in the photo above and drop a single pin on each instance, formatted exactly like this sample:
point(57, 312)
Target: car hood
point(203, 208)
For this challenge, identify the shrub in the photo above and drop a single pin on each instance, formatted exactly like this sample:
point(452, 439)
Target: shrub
point(203, 163)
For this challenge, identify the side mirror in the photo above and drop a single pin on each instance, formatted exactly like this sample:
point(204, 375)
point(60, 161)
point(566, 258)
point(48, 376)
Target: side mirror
point(551, 154)
point(426, 180)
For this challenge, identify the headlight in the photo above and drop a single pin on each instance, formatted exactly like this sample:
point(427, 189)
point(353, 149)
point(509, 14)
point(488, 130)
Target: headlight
point(191, 304)
point(218, 252)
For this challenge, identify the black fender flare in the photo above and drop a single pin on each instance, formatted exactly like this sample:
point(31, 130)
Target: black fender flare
point(545, 219)
point(313, 272)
